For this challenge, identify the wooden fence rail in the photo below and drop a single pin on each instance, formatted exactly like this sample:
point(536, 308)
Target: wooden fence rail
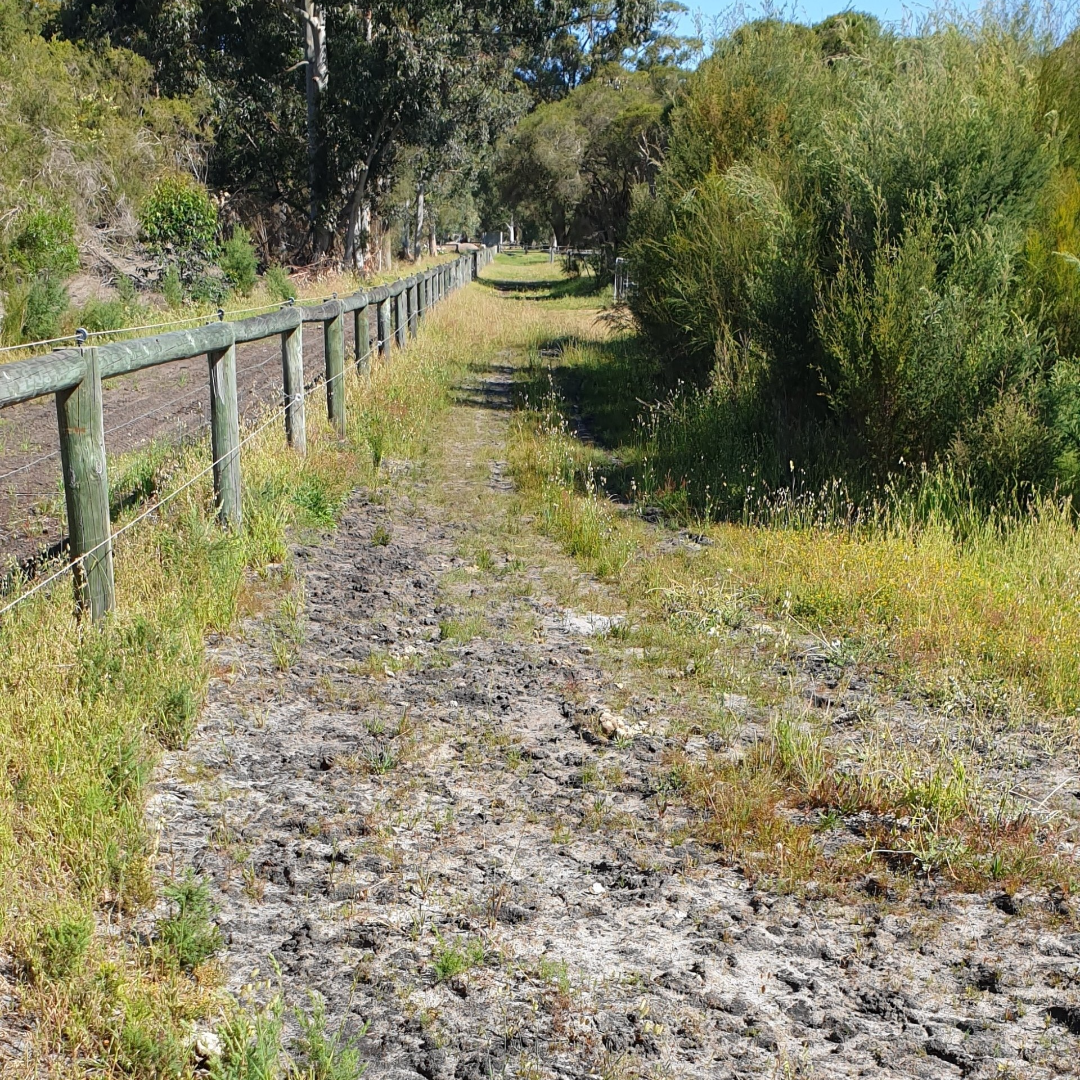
point(74, 378)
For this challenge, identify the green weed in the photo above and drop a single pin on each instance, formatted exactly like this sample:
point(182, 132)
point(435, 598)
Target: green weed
point(188, 937)
point(457, 957)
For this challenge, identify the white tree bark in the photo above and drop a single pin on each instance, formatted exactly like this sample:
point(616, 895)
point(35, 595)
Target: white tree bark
point(313, 23)
point(420, 210)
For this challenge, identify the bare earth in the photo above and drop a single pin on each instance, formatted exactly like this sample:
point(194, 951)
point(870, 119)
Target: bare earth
point(413, 820)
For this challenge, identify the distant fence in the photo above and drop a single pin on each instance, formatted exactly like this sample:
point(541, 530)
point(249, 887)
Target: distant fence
point(623, 285)
point(74, 376)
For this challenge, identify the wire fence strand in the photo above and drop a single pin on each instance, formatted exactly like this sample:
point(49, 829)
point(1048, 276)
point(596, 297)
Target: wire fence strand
point(276, 416)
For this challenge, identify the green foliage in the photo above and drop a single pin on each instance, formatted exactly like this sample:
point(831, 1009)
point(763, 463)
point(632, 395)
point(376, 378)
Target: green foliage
point(209, 289)
point(172, 289)
point(83, 129)
point(46, 302)
point(319, 503)
point(250, 1045)
point(456, 957)
point(569, 167)
point(238, 261)
point(179, 219)
point(188, 937)
point(45, 241)
point(96, 315)
point(853, 253)
point(61, 946)
point(326, 1056)
point(278, 284)
point(114, 314)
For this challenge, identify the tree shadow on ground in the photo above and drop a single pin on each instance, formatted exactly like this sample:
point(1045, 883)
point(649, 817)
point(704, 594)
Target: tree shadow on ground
point(604, 391)
point(557, 287)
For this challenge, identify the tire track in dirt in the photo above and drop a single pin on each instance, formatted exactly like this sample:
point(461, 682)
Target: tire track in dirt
point(423, 824)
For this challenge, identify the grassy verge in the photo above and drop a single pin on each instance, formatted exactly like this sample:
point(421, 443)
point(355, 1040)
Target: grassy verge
point(885, 695)
point(84, 712)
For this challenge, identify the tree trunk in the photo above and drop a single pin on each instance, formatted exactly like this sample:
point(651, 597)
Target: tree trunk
point(313, 22)
point(419, 218)
point(358, 232)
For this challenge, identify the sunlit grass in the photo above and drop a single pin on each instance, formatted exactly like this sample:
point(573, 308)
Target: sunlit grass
point(979, 625)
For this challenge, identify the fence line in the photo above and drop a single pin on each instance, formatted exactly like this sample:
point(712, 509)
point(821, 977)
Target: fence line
point(75, 376)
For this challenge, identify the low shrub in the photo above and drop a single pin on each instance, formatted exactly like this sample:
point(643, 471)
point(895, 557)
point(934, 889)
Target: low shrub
point(46, 302)
point(278, 284)
point(188, 936)
point(238, 261)
point(178, 220)
point(45, 241)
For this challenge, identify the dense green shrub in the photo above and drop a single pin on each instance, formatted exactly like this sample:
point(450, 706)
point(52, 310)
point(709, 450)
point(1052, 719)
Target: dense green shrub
point(209, 289)
point(278, 284)
point(172, 288)
point(238, 261)
point(46, 302)
point(178, 219)
point(858, 252)
point(45, 241)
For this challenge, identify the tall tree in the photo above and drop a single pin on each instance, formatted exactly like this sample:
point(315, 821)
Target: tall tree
point(436, 74)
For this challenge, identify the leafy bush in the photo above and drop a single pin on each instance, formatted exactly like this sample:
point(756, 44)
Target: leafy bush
point(179, 219)
point(172, 289)
point(45, 241)
point(96, 315)
point(858, 252)
point(278, 284)
point(238, 262)
point(209, 289)
point(46, 302)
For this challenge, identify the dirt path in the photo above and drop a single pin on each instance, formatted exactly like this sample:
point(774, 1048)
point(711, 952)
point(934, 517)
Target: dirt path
point(410, 813)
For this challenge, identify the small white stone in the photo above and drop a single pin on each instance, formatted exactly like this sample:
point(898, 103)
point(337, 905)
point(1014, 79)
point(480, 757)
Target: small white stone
point(207, 1044)
point(598, 888)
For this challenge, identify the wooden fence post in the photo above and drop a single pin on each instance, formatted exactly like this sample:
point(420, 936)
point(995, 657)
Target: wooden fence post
point(402, 320)
point(362, 339)
point(411, 294)
point(334, 352)
point(86, 490)
point(225, 435)
point(292, 372)
point(384, 327)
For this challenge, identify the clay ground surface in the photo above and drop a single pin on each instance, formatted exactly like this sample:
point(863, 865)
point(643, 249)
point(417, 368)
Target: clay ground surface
point(401, 803)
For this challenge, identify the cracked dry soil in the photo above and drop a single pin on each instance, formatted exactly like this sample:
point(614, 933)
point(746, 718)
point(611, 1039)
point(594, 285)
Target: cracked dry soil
point(416, 824)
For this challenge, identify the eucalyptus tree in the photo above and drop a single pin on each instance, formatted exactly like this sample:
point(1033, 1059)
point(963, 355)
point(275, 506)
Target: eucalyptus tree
point(312, 102)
